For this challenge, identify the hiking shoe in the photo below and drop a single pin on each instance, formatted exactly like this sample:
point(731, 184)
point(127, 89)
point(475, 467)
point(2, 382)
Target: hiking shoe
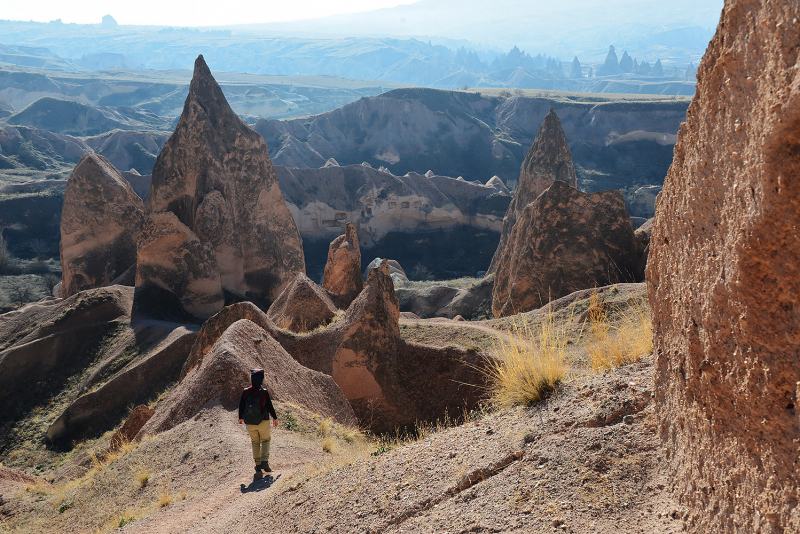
point(265, 467)
point(258, 468)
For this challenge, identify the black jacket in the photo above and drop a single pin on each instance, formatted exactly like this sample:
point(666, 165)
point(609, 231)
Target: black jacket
point(265, 402)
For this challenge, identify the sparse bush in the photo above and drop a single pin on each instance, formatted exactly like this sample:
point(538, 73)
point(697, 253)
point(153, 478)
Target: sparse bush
point(64, 507)
point(164, 496)
point(613, 346)
point(37, 267)
point(528, 366)
point(40, 248)
point(142, 476)
point(6, 263)
point(21, 295)
point(505, 94)
point(420, 272)
point(50, 282)
point(290, 421)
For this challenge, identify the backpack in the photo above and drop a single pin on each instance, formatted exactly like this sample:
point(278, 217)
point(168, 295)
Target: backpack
point(252, 410)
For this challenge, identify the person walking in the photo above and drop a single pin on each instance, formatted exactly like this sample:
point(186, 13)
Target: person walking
point(255, 409)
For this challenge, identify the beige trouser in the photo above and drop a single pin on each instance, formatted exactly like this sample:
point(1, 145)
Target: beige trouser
point(259, 435)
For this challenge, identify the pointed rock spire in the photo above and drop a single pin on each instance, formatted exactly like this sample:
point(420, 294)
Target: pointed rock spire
point(575, 69)
point(549, 159)
point(611, 64)
point(215, 175)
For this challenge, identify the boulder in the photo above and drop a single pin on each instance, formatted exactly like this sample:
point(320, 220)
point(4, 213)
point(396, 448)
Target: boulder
point(564, 241)
point(343, 269)
point(100, 224)
point(223, 371)
point(302, 307)
point(549, 160)
point(172, 257)
point(215, 177)
point(723, 280)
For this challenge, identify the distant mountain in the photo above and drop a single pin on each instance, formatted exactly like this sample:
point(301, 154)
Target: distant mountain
point(678, 30)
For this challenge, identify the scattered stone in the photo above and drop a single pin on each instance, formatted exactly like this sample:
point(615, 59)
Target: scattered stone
point(100, 224)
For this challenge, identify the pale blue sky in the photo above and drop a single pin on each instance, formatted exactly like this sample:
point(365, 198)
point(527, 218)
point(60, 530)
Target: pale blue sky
point(182, 13)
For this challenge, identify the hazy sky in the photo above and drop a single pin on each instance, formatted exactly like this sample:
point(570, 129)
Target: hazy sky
point(183, 13)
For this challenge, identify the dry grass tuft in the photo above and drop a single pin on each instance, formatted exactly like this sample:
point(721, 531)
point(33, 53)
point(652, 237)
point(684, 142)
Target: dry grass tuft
point(613, 346)
point(164, 496)
point(328, 444)
point(528, 366)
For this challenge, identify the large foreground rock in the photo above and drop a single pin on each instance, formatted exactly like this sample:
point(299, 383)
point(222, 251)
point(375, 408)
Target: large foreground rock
point(564, 241)
point(215, 175)
point(549, 160)
point(724, 278)
point(100, 225)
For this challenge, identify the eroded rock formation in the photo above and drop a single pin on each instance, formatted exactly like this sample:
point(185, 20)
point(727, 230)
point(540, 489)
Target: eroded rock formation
point(224, 370)
point(302, 307)
point(723, 281)
point(549, 160)
point(215, 176)
point(100, 225)
point(343, 269)
point(564, 241)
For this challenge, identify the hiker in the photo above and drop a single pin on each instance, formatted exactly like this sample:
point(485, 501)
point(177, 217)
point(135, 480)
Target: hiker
point(255, 407)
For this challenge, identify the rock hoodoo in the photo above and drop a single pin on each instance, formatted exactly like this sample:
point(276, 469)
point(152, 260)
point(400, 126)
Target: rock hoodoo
point(100, 224)
point(564, 241)
point(343, 269)
point(215, 176)
point(302, 306)
point(723, 281)
point(549, 160)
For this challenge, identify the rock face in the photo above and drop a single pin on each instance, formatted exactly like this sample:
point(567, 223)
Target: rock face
point(723, 279)
point(100, 224)
point(343, 269)
point(564, 241)
point(215, 176)
point(549, 160)
point(644, 201)
point(396, 271)
point(172, 257)
point(221, 374)
point(133, 424)
point(302, 306)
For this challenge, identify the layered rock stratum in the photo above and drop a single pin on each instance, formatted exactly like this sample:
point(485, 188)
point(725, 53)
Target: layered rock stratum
point(723, 280)
point(215, 176)
point(549, 160)
point(563, 241)
point(100, 224)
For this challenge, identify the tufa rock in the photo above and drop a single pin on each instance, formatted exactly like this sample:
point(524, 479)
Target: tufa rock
point(215, 175)
point(302, 307)
point(575, 69)
point(498, 184)
point(723, 281)
point(100, 224)
point(564, 241)
point(172, 257)
point(642, 238)
point(395, 270)
point(343, 269)
point(223, 371)
point(549, 160)
point(611, 65)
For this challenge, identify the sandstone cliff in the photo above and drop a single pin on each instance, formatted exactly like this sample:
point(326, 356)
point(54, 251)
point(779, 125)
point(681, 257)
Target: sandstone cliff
point(724, 278)
point(100, 224)
point(215, 175)
point(549, 160)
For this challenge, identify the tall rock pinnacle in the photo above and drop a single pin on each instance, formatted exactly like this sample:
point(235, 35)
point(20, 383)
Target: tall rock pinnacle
point(215, 175)
point(549, 159)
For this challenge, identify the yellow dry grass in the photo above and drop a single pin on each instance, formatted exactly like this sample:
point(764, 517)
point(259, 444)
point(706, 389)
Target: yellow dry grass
point(528, 365)
point(613, 346)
